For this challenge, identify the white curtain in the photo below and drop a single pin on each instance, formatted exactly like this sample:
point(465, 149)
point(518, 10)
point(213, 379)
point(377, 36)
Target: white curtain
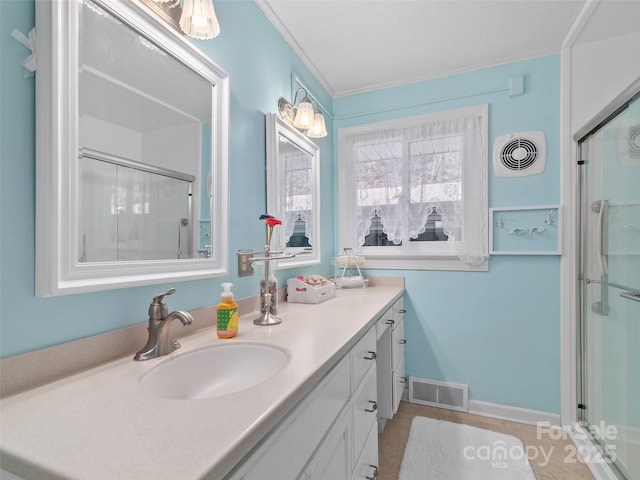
point(404, 174)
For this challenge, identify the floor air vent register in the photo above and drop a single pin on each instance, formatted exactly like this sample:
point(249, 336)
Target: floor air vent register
point(434, 393)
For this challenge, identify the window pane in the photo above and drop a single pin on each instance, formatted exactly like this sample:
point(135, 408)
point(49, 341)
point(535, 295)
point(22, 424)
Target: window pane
point(435, 170)
point(433, 230)
point(379, 173)
point(376, 237)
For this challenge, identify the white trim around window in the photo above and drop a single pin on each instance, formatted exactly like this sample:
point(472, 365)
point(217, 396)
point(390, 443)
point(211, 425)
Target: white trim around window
point(467, 252)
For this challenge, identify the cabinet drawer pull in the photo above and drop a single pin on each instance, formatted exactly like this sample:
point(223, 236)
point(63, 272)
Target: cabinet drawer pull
point(402, 311)
point(402, 341)
point(372, 355)
point(374, 407)
point(390, 322)
point(375, 473)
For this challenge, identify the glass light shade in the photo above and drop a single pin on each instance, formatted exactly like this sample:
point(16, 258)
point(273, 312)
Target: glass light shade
point(198, 19)
point(304, 116)
point(318, 129)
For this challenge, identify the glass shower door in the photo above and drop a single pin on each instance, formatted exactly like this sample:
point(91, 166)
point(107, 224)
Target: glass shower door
point(610, 324)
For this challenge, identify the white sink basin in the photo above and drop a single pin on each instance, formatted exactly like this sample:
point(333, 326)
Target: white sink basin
point(213, 371)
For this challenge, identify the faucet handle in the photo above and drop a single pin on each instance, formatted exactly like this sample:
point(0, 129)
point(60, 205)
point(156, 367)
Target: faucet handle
point(158, 309)
point(158, 298)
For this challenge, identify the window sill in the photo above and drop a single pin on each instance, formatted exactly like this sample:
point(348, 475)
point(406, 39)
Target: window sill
point(451, 263)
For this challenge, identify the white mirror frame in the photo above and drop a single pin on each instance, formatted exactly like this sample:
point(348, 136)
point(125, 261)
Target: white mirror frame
point(58, 271)
point(277, 127)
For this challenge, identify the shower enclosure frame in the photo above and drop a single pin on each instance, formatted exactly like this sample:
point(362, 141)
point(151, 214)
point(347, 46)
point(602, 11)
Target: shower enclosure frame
point(615, 107)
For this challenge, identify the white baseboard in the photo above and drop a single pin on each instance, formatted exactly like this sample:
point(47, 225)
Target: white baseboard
point(514, 414)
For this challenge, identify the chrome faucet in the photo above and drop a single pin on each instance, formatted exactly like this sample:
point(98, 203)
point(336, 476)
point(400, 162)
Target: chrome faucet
point(159, 343)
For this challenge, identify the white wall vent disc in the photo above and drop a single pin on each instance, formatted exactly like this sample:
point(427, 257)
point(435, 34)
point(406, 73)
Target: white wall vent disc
point(519, 154)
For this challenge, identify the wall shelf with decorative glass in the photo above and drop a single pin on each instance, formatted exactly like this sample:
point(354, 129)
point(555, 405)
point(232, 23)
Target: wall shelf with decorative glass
point(534, 230)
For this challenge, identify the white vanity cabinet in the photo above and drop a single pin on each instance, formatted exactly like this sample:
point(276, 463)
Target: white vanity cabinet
point(331, 433)
point(390, 361)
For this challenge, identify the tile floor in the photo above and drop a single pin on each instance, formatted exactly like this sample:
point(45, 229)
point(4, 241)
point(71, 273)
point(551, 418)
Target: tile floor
point(559, 467)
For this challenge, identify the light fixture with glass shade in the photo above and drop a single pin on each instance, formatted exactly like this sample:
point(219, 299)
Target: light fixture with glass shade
point(318, 128)
point(198, 19)
point(303, 117)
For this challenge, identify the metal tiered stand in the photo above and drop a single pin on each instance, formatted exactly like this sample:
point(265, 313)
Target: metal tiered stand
point(268, 288)
point(350, 275)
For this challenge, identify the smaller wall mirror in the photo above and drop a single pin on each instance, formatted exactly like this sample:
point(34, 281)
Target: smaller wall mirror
point(293, 192)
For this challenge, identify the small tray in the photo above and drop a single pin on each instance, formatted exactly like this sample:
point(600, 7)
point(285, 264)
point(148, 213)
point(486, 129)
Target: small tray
point(311, 289)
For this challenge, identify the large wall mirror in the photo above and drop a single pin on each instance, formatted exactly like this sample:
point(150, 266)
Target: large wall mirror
point(132, 140)
point(293, 192)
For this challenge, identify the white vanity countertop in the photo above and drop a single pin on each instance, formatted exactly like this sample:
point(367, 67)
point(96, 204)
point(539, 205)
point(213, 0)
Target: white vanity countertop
point(99, 425)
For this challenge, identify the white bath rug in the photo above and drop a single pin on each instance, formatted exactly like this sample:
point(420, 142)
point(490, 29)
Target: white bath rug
point(439, 450)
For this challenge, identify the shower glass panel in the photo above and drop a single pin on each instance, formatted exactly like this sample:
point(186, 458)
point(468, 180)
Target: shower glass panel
point(130, 214)
point(610, 323)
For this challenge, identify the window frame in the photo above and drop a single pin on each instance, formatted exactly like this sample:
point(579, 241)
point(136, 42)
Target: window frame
point(436, 255)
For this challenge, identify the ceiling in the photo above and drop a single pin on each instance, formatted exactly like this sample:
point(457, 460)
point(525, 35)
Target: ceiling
point(354, 46)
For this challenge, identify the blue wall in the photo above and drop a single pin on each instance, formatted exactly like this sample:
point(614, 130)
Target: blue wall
point(497, 331)
point(260, 64)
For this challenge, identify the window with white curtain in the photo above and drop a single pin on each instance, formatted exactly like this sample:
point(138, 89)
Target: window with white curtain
point(413, 191)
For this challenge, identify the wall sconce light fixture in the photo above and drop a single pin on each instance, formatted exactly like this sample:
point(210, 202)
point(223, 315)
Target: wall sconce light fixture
point(198, 18)
point(303, 117)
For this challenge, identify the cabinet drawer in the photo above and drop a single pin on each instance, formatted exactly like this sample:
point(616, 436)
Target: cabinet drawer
point(297, 438)
point(363, 355)
point(366, 467)
point(399, 381)
point(365, 406)
point(397, 336)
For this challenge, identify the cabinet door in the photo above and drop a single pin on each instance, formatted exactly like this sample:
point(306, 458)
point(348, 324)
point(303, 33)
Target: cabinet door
point(399, 381)
point(398, 343)
point(397, 356)
point(332, 460)
point(366, 467)
point(384, 368)
point(285, 452)
point(365, 405)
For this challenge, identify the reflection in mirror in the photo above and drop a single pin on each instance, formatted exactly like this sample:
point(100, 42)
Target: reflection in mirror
point(137, 130)
point(144, 114)
point(293, 192)
point(131, 211)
